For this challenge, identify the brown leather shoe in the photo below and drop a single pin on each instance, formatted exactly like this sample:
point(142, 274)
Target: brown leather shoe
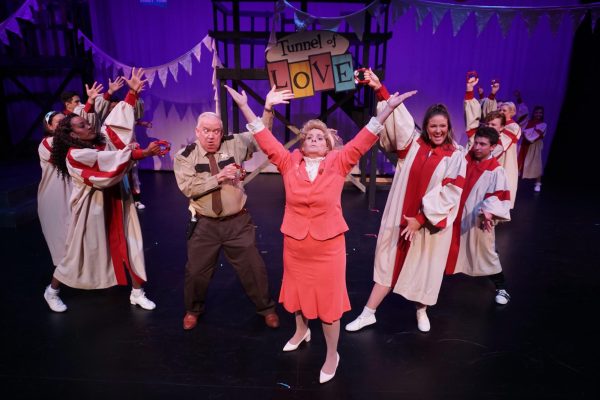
point(272, 320)
point(190, 321)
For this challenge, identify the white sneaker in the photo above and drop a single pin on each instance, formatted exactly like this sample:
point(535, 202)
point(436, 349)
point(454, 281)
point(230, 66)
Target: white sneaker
point(54, 302)
point(423, 321)
point(361, 322)
point(139, 205)
point(502, 296)
point(537, 187)
point(141, 300)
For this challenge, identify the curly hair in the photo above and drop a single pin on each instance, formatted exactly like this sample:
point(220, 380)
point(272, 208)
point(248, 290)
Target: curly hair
point(320, 125)
point(437, 109)
point(63, 141)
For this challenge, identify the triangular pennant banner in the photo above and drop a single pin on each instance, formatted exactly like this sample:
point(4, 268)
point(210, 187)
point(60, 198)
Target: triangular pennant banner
point(437, 14)
point(458, 16)
point(421, 13)
point(13, 26)
point(531, 19)
point(174, 68)
point(595, 15)
point(330, 24)
point(374, 8)
point(556, 18)
point(577, 16)
point(26, 15)
point(197, 51)
point(357, 22)
point(126, 69)
point(482, 17)
point(150, 75)
point(186, 63)
point(399, 8)
point(505, 19)
point(302, 20)
point(162, 75)
point(181, 109)
point(4, 37)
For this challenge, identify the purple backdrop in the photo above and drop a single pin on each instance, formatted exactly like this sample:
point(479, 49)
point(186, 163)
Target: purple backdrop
point(435, 64)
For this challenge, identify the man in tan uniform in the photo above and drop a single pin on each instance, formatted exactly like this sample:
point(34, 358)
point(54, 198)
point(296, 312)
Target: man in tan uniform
point(207, 174)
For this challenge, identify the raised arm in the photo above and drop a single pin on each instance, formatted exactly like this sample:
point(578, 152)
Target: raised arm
point(277, 154)
point(472, 109)
point(118, 126)
point(399, 129)
point(490, 104)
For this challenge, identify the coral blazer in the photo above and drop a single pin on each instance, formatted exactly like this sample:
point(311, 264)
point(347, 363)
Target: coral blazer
point(314, 207)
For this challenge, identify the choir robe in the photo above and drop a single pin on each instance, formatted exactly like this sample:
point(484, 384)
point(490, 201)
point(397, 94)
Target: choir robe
point(104, 240)
point(472, 116)
point(473, 250)
point(53, 207)
point(506, 154)
point(427, 185)
point(530, 154)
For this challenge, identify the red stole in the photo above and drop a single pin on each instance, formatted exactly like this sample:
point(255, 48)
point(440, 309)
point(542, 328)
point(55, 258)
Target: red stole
point(422, 168)
point(474, 172)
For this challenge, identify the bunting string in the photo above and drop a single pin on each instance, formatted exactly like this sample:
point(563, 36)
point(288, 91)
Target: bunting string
point(25, 13)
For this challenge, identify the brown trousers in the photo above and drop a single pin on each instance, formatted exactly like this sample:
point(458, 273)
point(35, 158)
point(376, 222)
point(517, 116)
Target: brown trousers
point(236, 236)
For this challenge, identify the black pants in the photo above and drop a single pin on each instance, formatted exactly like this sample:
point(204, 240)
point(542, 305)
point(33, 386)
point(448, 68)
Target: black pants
point(236, 237)
point(498, 280)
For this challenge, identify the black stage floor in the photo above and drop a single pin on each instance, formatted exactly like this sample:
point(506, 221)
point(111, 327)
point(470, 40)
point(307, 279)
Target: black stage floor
point(542, 345)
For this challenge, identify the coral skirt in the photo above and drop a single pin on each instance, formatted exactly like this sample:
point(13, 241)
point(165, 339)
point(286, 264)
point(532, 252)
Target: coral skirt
point(314, 277)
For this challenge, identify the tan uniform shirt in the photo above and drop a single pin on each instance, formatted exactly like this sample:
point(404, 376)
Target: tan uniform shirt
point(192, 171)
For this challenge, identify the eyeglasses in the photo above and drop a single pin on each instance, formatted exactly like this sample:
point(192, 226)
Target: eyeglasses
point(216, 131)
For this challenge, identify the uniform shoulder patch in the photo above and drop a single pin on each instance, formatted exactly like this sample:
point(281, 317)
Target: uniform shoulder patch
point(188, 149)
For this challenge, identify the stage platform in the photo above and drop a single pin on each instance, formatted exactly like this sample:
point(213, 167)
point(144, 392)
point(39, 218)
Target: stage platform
point(542, 345)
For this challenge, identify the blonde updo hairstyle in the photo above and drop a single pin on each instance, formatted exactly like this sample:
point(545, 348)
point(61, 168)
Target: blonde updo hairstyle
point(320, 125)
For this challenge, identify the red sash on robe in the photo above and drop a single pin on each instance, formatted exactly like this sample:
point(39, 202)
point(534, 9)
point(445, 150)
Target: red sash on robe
point(423, 166)
point(474, 172)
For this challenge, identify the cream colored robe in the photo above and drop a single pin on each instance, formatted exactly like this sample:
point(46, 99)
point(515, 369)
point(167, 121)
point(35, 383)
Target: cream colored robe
point(507, 154)
point(100, 195)
point(420, 275)
point(532, 164)
point(472, 117)
point(53, 203)
point(473, 250)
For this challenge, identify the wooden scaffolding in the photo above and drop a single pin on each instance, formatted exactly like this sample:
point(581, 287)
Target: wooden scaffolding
point(241, 34)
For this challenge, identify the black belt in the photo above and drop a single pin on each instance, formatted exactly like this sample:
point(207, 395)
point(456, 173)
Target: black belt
point(241, 212)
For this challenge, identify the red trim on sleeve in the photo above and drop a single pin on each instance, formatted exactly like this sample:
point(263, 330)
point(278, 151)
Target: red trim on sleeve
point(469, 95)
point(471, 132)
point(421, 218)
point(131, 98)
point(382, 93)
point(88, 172)
point(138, 154)
point(89, 107)
point(106, 96)
point(46, 144)
point(442, 224)
point(502, 195)
point(114, 138)
point(459, 181)
point(492, 96)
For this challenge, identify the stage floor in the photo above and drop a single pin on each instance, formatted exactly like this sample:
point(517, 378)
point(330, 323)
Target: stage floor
point(542, 345)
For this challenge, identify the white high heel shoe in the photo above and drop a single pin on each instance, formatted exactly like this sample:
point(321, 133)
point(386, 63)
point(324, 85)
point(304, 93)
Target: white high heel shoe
point(323, 377)
point(291, 347)
point(423, 321)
